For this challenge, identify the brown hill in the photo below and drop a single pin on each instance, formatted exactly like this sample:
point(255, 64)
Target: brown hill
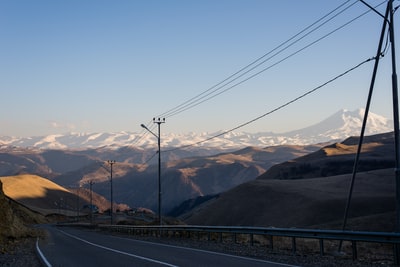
point(49, 163)
point(312, 190)
point(377, 153)
point(303, 203)
point(46, 197)
point(135, 183)
point(187, 178)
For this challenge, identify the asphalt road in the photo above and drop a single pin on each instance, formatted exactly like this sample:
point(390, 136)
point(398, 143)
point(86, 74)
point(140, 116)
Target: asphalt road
point(75, 247)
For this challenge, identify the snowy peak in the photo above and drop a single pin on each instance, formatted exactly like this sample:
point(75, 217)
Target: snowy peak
point(343, 124)
point(339, 126)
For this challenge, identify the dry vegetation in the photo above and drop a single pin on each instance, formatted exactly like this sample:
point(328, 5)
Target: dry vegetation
point(15, 223)
point(316, 202)
point(311, 191)
point(26, 200)
point(38, 193)
point(15, 218)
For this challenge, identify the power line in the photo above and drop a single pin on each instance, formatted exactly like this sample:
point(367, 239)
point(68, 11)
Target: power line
point(148, 160)
point(203, 99)
point(205, 96)
point(217, 89)
point(185, 105)
point(143, 133)
point(277, 108)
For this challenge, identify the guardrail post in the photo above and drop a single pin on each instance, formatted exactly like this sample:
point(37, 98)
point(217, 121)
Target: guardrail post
point(220, 237)
point(294, 245)
point(209, 236)
point(321, 247)
point(396, 254)
point(251, 240)
point(234, 238)
point(354, 248)
point(271, 243)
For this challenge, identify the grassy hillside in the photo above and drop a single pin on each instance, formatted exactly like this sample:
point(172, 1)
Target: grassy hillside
point(38, 193)
point(28, 186)
point(311, 191)
point(46, 197)
point(316, 202)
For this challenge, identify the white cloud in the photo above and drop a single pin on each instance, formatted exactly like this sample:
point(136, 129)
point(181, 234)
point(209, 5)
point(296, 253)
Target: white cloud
point(55, 125)
point(62, 126)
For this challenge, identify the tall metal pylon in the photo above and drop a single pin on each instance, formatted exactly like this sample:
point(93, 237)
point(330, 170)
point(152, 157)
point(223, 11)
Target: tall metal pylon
point(388, 20)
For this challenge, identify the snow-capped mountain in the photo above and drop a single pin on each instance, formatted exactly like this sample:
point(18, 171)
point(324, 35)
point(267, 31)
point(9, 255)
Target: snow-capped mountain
point(339, 126)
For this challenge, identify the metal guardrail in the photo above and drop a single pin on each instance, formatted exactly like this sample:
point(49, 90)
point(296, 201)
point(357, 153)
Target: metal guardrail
point(321, 235)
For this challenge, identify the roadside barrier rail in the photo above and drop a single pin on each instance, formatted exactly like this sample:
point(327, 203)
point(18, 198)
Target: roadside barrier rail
point(293, 233)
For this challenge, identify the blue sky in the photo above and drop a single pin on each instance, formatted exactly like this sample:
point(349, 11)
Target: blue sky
point(108, 66)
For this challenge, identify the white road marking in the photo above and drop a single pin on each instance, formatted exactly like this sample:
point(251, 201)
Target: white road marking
point(118, 251)
point(41, 254)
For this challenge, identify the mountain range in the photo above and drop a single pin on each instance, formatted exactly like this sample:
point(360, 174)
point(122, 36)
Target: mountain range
point(336, 127)
point(182, 179)
point(211, 168)
point(238, 188)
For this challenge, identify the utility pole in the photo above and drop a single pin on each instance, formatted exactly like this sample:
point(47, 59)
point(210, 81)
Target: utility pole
point(364, 123)
point(77, 204)
point(395, 112)
point(395, 97)
point(387, 20)
point(91, 201)
point(111, 162)
point(158, 121)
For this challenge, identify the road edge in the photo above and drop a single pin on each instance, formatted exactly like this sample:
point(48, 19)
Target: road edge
point(41, 256)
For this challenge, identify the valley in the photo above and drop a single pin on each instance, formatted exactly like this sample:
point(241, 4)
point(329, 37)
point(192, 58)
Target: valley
point(298, 185)
point(280, 186)
point(134, 184)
